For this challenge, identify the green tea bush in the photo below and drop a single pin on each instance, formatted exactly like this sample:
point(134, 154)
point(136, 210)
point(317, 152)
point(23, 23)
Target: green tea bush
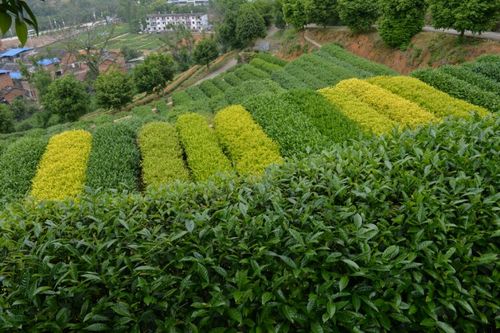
point(250, 88)
point(18, 165)
point(492, 58)
point(479, 80)
point(204, 155)
point(244, 74)
point(218, 102)
point(114, 161)
point(221, 84)
point(286, 124)
point(360, 73)
point(489, 69)
point(256, 72)
point(196, 93)
point(309, 79)
point(210, 89)
point(459, 88)
point(287, 80)
point(264, 65)
point(271, 59)
point(362, 63)
point(320, 73)
point(232, 79)
point(398, 234)
point(333, 69)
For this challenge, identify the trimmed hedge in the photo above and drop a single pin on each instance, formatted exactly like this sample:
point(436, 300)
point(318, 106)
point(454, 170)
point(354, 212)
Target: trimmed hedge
point(232, 79)
point(210, 89)
point(362, 63)
point(218, 102)
point(332, 69)
point(383, 101)
point(287, 80)
point(249, 148)
point(162, 158)
point(459, 88)
point(245, 74)
point(488, 69)
point(18, 165)
point(479, 80)
point(364, 115)
point(196, 93)
point(62, 169)
point(360, 73)
point(327, 118)
point(398, 234)
point(264, 65)
point(309, 79)
point(114, 161)
point(239, 94)
point(321, 74)
point(221, 84)
point(181, 97)
point(491, 58)
point(204, 155)
point(286, 125)
point(271, 59)
point(429, 98)
point(256, 72)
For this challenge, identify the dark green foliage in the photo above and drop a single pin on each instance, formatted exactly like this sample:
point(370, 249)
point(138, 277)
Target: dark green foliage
point(395, 235)
point(156, 70)
point(67, 98)
point(249, 72)
point(113, 89)
point(6, 119)
point(327, 117)
point(489, 69)
point(114, 162)
point(23, 108)
point(181, 97)
point(205, 51)
point(294, 12)
point(218, 102)
point(330, 58)
point(271, 59)
point(196, 93)
point(287, 80)
point(249, 25)
point(210, 89)
point(321, 12)
point(239, 94)
point(459, 88)
point(400, 21)
point(358, 15)
point(232, 79)
point(325, 71)
point(494, 58)
point(18, 166)
point(220, 83)
point(468, 75)
point(201, 106)
point(264, 65)
point(295, 69)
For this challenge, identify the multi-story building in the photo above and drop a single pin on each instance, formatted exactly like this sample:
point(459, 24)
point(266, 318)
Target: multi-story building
point(189, 2)
point(164, 22)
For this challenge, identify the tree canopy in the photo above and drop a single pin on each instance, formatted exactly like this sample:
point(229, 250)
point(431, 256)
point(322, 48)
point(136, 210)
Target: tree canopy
point(67, 98)
point(205, 51)
point(154, 72)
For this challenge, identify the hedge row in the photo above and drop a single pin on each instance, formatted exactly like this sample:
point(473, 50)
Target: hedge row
point(114, 161)
point(332, 69)
point(217, 103)
point(364, 115)
point(264, 65)
point(479, 80)
point(287, 80)
point(162, 159)
point(232, 79)
point(196, 93)
point(491, 58)
point(369, 237)
point(321, 74)
point(249, 148)
point(327, 118)
point(250, 88)
point(181, 97)
point(383, 101)
point(210, 89)
point(360, 73)
point(204, 155)
point(245, 74)
point(62, 169)
point(367, 65)
point(309, 79)
point(18, 166)
point(221, 84)
point(459, 88)
point(429, 98)
point(489, 69)
point(286, 124)
point(271, 59)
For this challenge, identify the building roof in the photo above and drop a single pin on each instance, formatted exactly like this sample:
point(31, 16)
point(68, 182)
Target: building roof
point(4, 71)
point(15, 52)
point(176, 15)
point(48, 61)
point(16, 75)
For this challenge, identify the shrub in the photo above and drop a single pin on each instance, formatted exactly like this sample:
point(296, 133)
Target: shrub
point(249, 148)
point(323, 67)
point(360, 73)
point(6, 119)
point(287, 80)
point(181, 97)
point(309, 79)
point(325, 116)
point(479, 80)
point(114, 161)
point(286, 125)
point(264, 66)
point(162, 160)
point(210, 89)
point(204, 155)
point(364, 64)
point(232, 79)
point(433, 100)
point(250, 88)
point(218, 102)
point(459, 88)
point(490, 58)
point(396, 108)
point(366, 117)
point(221, 84)
point(61, 172)
point(271, 59)
point(156, 70)
point(67, 98)
point(489, 69)
point(256, 72)
point(113, 89)
point(248, 72)
point(196, 93)
point(369, 237)
point(18, 166)
point(202, 106)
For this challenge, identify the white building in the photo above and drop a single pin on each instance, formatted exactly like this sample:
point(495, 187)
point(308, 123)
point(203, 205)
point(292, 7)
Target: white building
point(163, 22)
point(189, 2)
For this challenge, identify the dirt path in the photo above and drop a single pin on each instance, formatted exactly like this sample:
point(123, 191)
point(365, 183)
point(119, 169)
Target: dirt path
point(485, 35)
point(312, 41)
point(231, 63)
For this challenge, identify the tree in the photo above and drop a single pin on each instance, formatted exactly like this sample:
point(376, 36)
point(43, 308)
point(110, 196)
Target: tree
point(401, 20)
point(358, 15)
point(226, 16)
point(155, 72)
point(279, 18)
point(113, 89)
point(67, 98)
point(22, 15)
point(295, 13)
point(205, 51)
point(265, 8)
point(180, 43)
point(6, 119)
point(249, 25)
point(461, 15)
point(23, 108)
point(322, 12)
point(130, 53)
point(41, 79)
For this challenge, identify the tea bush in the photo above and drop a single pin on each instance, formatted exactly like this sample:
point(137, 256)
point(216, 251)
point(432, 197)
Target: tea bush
point(221, 84)
point(196, 93)
point(487, 68)
point(232, 79)
point(271, 59)
point(264, 65)
point(287, 80)
point(62, 169)
point(114, 161)
point(320, 73)
point(429, 98)
point(399, 234)
point(360, 73)
point(162, 159)
point(250, 88)
point(204, 155)
point(256, 72)
point(301, 74)
point(394, 107)
point(479, 80)
point(249, 148)
point(332, 68)
point(210, 89)
point(245, 74)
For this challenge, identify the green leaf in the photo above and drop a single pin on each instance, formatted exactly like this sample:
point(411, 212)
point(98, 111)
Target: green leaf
point(21, 31)
point(316, 328)
point(445, 327)
point(428, 322)
point(97, 327)
point(266, 297)
point(331, 309)
point(235, 315)
point(189, 225)
point(343, 282)
point(121, 309)
point(351, 263)
point(5, 22)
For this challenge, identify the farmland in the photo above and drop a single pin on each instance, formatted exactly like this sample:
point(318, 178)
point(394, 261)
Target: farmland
point(326, 193)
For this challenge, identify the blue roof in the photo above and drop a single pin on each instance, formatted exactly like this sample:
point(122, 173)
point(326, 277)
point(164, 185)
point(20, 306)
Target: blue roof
point(15, 52)
point(16, 75)
point(4, 71)
point(48, 61)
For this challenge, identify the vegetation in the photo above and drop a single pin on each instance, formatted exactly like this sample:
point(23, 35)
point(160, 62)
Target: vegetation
point(113, 89)
point(205, 52)
point(358, 15)
point(249, 25)
point(6, 119)
point(154, 72)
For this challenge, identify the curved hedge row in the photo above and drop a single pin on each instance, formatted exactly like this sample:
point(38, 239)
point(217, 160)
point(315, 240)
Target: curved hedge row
point(321, 74)
point(204, 155)
point(210, 89)
point(479, 80)
point(250, 88)
point(264, 65)
point(333, 69)
point(162, 158)
point(459, 88)
point(287, 80)
point(232, 79)
point(249, 148)
point(196, 93)
point(429, 98)
point(247, 73)
point(285, 124)
point(394, 107)
point(489, 69)
point(364, 115)
point(271, 59)
point(114, 161)
point(369, 237)
point(221, 84)
point(62, 169)
point(309, 79)
point(360, 73)
point(18, 165)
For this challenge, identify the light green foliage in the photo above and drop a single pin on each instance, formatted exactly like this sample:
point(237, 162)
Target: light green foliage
point(248, 72)
point(162, 160)
point(113, 89)
point(67, 98)
point(249, 148)
point(181, 97)
point(232, 79)
point(358, 15)
point(287, 80)
point(204, 155)
point(309, 79)
point(220, 83)
point(18, 166)
point(251, 88)
point(156, 70)
point(210, 89)
point(468, 75)
point(488, 68)
point(295, 13)
point(271, 59)
point(114, 161)
point(196, 93)
point(264, 65)
point(286, 124)
point(429, 98)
